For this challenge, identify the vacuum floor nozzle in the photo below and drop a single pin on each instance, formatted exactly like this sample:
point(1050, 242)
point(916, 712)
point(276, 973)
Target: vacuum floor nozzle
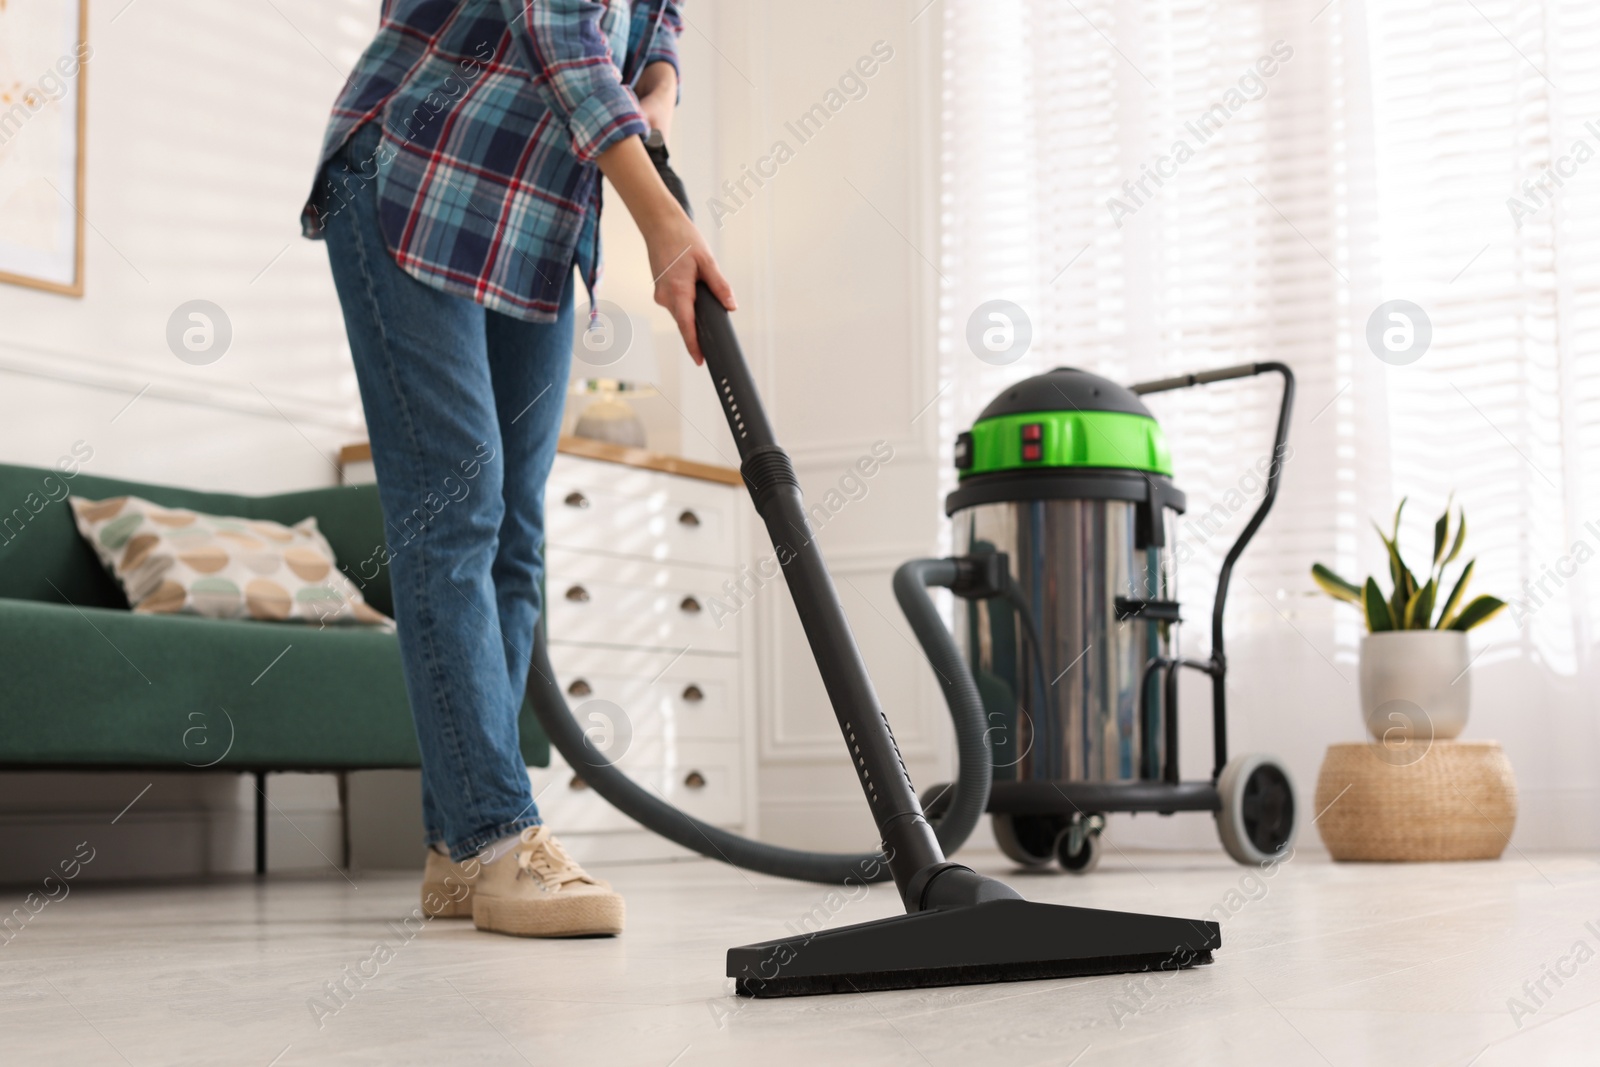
point(996, 941)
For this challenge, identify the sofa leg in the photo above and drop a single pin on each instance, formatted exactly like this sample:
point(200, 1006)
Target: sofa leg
point(261, 824)
point(344, 818)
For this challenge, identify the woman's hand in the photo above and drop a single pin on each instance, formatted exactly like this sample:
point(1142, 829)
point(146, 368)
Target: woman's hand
point(679, 255)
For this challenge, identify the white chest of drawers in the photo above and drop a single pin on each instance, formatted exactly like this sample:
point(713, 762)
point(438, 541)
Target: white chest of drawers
point(637, 550)
point(635, 564)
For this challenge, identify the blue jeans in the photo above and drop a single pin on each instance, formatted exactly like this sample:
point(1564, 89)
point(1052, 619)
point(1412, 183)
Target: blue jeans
point(463, 410)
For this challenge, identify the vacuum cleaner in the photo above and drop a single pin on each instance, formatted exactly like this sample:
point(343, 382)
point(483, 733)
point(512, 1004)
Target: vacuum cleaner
point(961, 927)
point(1070, 621)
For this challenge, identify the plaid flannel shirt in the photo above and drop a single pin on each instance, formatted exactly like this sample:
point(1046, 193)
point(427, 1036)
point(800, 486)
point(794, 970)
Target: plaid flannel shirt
point(493, 113)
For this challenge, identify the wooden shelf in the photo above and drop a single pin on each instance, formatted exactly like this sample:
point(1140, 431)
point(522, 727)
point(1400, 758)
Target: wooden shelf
point(606, 452)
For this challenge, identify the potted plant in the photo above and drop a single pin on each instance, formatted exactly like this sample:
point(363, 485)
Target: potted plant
point(1414, 657)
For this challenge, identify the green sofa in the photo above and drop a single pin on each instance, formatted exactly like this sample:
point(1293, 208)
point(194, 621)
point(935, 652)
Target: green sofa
point(87, 684)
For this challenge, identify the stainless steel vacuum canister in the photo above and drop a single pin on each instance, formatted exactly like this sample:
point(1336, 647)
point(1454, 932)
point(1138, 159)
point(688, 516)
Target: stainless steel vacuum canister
point(1067, 475)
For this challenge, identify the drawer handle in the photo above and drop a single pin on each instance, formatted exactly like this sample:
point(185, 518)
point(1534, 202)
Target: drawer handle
point(695, 780)
point(689, 605)
point(578, 595)
point(693, 693)
point(576, 499)
point(579, 688)
point(577, 784)
point(688, 518)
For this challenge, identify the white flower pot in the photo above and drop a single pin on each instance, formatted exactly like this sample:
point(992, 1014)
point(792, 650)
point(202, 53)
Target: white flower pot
point(1415, 684)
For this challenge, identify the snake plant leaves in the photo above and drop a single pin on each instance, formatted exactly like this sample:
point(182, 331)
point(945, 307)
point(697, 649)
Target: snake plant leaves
point(1461, 538)
point(1447, 613)
point(1480, 610)
point(1394, 555)
point(1334, 585)
point(1411, 604)
point(1405, 583)
point(1378, 618)
point(1419, 609)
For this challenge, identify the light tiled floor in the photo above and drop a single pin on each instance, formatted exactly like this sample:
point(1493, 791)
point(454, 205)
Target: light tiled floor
point(1321, 964)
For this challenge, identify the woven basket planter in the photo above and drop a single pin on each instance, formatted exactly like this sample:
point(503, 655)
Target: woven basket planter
point(1448, 800)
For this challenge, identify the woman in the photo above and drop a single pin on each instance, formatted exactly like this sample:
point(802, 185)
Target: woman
point(459, 189)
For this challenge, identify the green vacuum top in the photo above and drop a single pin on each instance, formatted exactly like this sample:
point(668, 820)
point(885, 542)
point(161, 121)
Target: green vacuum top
point(1064, 418)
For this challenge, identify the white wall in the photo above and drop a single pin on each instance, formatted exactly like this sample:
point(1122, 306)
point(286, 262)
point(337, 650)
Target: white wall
point(836, 316)
point(204, 123)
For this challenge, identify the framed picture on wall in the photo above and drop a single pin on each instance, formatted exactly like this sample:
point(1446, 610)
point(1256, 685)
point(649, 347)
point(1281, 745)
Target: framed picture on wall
point(43, 48)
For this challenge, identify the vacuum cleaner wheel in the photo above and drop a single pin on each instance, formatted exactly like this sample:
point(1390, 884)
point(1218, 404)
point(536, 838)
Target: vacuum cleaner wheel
point(1078, 847)
point(1257, 818)
point(1029, 840)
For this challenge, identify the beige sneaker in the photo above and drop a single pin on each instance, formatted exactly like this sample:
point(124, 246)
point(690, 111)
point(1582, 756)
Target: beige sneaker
point(447, 887)
point(537, 890)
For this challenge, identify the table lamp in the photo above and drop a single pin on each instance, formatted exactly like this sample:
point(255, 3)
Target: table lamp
point(614, 360)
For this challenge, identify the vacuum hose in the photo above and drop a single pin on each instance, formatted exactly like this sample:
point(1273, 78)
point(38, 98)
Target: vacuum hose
point(654, 813)
point(911, 582)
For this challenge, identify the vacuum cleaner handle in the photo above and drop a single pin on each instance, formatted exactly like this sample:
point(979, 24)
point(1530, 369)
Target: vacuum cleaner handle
point(1218, 666)
point(913, 853)
point(714, 330)
point(1205, 377)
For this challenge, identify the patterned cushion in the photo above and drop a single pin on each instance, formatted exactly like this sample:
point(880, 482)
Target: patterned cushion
point(174, 560)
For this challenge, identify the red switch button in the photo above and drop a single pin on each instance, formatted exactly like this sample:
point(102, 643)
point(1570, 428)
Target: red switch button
point(1032, 453)
point(1033, 431)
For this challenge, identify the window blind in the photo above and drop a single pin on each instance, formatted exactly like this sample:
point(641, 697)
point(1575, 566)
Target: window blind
point(1113, 169)
point(1156, 186)
point(1484, 130)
